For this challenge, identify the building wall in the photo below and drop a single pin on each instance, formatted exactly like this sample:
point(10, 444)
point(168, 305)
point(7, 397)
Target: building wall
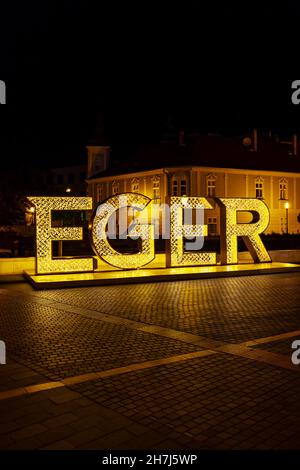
point(228, 183)
point(58, 180)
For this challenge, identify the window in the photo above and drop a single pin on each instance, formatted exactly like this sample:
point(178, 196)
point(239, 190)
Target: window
point(212, 225)
point(156, 187)
point(259, 188)
point(99, 192)
point(183, 187)
point(179, 186)
point(115, 188)
point(211, 185)
point(82, 177)
point(60, 179)
point(135, 185)
point(283, 189)
point(71, 178)
point(175, 187)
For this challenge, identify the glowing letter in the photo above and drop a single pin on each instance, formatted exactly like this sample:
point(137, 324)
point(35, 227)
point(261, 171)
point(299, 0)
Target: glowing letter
point(230, 229)
point(143, 231)
point(45, 234)
point(176, 254)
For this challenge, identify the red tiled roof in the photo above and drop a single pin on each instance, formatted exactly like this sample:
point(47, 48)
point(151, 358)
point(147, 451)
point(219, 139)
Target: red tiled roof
point(211, 151)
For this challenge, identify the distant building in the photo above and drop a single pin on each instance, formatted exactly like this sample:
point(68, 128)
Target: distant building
point(207, 165)
point(66, 180)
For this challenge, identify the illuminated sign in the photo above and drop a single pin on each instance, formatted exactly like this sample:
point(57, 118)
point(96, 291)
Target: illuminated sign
point(144, 232)
point(129, 213)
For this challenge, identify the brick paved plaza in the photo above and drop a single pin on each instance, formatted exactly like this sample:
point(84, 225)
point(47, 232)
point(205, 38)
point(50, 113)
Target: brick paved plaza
point(202, 364)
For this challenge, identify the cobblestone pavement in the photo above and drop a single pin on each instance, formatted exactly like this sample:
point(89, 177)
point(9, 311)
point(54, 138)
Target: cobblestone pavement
point(194, 364)
point(281, 347)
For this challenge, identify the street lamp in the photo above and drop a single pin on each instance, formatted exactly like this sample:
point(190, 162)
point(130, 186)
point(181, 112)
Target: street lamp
point(287, 216)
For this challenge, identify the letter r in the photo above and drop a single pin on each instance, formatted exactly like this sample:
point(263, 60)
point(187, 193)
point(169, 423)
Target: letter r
point(231, 229)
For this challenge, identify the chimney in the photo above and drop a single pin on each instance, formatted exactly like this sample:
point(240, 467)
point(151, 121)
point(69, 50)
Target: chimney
point(255, 140)
point(295, 144)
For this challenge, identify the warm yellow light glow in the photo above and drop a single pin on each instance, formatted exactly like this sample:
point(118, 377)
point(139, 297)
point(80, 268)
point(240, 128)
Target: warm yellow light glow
point(68, 190)
point(45, 234)
point(176, 254)
point(183, 226)
point(230, 229)
point(156, 275)
point(184, 200)
point(286, 205)
point(143, 231)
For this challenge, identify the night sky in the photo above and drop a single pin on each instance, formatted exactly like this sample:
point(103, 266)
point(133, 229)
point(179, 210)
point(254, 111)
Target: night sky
point(140, 65)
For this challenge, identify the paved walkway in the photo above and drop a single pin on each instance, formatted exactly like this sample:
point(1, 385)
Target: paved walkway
point(196, 364)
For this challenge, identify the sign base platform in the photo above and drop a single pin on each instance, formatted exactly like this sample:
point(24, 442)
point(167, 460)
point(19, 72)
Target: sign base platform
point(111, 277)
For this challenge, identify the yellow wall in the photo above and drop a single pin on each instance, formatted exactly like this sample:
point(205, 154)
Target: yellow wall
point(229, 183)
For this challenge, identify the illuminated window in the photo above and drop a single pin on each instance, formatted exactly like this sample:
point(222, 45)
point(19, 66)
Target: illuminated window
point(99, 192)
point(156, 187)
point(259, 188)
point(115, 188)
point(212, 225)
point(211, 185)
point(283, 189)
point(135, 185)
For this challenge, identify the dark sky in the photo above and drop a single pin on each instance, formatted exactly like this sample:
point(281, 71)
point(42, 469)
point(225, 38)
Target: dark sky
point(221, 67)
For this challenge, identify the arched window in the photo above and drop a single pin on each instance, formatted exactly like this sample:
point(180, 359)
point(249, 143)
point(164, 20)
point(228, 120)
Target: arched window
point(259, 188)
point(115, 187)
point(211, 185)
point(134, 185)
point(283, 189)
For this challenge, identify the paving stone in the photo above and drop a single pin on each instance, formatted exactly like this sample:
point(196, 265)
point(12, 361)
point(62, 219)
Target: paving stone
point(60, 420)
point(52, 435)
point(73, 345)
point(225, 314)
point(59, 445)
point(28, 431)
point(25, 444)
point(64, 397)
point(84, 437)
point(214, 402)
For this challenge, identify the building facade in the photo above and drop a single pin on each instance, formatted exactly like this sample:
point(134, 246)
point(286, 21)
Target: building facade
point(66, 180)
point(280, 190)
